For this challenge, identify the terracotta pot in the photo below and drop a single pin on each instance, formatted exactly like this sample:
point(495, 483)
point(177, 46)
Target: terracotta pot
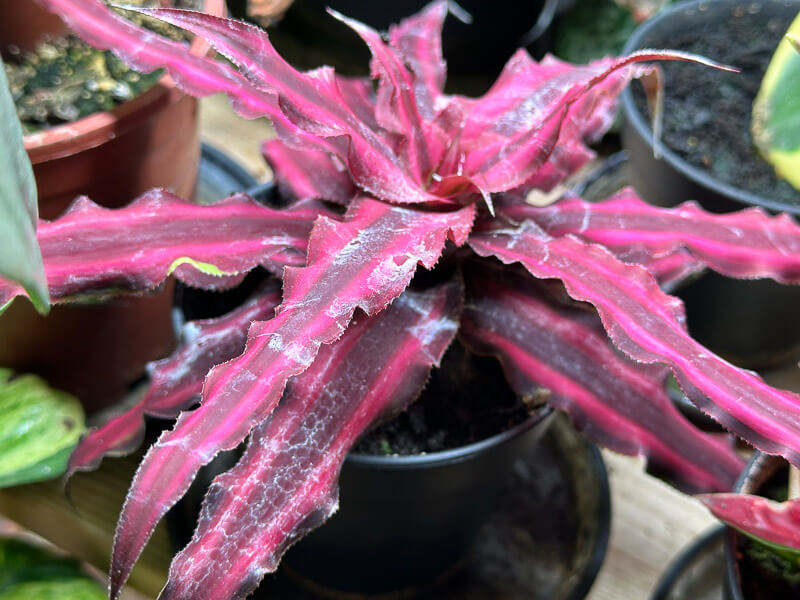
point(24, 24)
point(96, 350)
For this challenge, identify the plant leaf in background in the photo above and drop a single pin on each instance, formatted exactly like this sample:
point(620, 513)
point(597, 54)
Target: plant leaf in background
point(775, 124)
point(20, 258)
point(774, 524)
point(592, 29)
point(39, 427)
point(27, 572)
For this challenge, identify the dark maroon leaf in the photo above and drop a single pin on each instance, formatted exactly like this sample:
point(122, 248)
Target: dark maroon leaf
point(545, 341)
point(649, 326)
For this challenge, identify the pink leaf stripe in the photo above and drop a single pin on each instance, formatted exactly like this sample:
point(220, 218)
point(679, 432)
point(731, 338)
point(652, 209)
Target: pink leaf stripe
point(308, 173)
point(396, 108)
point(648, 326)
point(668, 269)
point(312, 101)
point(285, 484)
point(84, 252)
point(542, 340)
point(364, 262)
point(747, 243)
point(770, 521)
point(177, 381)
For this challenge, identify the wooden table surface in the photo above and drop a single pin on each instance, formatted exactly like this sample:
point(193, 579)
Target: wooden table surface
point(651, 522)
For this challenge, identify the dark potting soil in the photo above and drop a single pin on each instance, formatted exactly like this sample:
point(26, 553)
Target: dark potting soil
point(466, 400)
point(707, 111)
point(765, 575)
point(64, 79)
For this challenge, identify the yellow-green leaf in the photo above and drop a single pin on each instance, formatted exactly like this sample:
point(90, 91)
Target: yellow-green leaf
point(775, 125)
point(39, 427)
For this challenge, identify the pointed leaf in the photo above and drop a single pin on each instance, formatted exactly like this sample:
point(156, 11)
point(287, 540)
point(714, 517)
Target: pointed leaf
point(649, 327)
point(364, 262)
point(775, 523)
point(204, 246)
point(508, 134)
point(418, 39)
point(308, 173)
point(39, 426)
point(20, 258)
point(311, 101)
point(285, 484)
point(747, 243)
point(396, 108)
point(177, 381)
point(542, 340)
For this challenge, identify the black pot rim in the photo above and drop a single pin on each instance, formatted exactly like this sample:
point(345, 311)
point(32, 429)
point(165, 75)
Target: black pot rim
point(224, 165)
point(642, 128)
point(685, 558)
point(453, 455)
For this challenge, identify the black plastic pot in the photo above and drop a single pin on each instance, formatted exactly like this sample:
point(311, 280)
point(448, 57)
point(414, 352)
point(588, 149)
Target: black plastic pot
point(406, 520)
point(752, 323)
point(475, 52)
point(696, 572)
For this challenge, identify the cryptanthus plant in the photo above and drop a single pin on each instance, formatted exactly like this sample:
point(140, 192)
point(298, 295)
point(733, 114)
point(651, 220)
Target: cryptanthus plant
point(384, 179)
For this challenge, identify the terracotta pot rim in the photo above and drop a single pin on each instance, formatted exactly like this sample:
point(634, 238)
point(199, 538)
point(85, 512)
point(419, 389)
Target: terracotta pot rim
point(93, 130)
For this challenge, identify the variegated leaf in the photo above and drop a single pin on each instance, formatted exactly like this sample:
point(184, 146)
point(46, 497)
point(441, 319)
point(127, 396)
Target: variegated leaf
point(747, 243)
point(775, 523)
point(285, 484)
point(176, 382)
point(204, 246)
point(364, 262)
point(544, 340)
point(649, 326)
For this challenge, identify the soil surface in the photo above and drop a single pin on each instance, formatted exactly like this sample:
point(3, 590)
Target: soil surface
point(707, 111)
point(465, 401)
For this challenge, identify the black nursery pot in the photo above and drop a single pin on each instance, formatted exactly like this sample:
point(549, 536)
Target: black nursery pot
point(752, 323)
point(406, 520)
point(743, 581)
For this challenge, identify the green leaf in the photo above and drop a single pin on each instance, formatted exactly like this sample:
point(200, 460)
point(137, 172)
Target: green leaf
point(20, 258)
point(788, 553)
point(27, 572)
point(592, 29)
point(775, 124)
point(39, 427)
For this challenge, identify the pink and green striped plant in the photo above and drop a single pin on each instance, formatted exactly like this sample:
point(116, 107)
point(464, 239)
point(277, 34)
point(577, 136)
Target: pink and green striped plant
point(382, 179)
